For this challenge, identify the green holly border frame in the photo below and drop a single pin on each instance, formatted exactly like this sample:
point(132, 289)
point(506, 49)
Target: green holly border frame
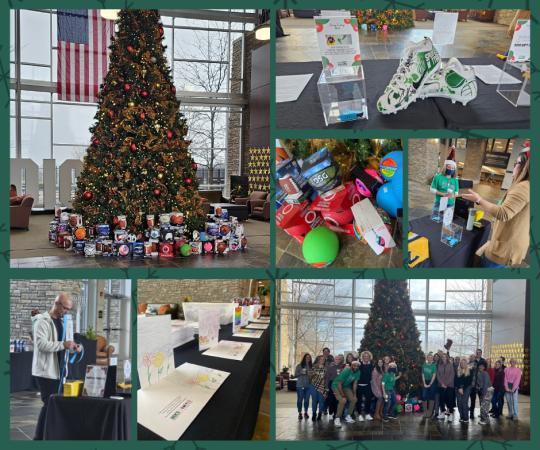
point(272, 272)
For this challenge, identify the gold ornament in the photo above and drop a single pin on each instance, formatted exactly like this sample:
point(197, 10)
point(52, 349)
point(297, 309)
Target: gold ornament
point(160, 176)
point(131, 104)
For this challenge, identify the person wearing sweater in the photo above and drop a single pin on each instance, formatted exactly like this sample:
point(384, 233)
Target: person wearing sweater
point(463, 389)
point(317, 386)
point(445, 378)
point(497, 401)
point(364, 386)
point(344, 387)
point(508, 244)
point(331, 373)
point(376, 389)
point(512, 378)
point(475, 360)
point(485, 391)
point(389, 391)
point(429, 380)
point(302, 373)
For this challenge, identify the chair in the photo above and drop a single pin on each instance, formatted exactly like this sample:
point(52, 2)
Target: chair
point(256, 199)
point(19, 214)
point(103, 351)
point(261, 208)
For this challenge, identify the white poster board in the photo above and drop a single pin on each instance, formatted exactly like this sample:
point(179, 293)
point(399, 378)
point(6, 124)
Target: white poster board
point(520, 48)
point(94, 381)
point(245, 316)
point(208, 328)
point(169, 407)
point(257, 326)
point(371, 226)
point(338, 40)
point(237, 318)
point(247, 333)
point(155, 357)
point(444, 28)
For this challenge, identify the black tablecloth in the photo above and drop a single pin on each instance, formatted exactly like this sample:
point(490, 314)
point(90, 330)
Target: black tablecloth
point(86, 418)
point(21, 372)
point(441, 255)
point(231, 414)
point(488, 110)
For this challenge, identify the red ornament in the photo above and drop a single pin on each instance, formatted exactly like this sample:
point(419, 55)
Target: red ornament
point(130, 49)
point(194, 166)
point(188, 180)
point(173, 89)
point(87, 195)
point(161, 31)
point(110, 113)
point(127, 87)
point(142, 115)
point(157, 192)
point(96, 141)
point(133, 147)
point(115, 220)
point(169, 134)
point(144, 94)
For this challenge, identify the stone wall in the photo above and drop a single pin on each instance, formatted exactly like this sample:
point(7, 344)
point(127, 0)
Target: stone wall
point(174, 291)
point(27, 295)
point(423, 159)
point(504, 16)
point(238, 123)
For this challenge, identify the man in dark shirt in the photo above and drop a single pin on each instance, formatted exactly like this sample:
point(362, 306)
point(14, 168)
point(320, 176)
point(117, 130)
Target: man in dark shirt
point(364, 386)
point(474, 371)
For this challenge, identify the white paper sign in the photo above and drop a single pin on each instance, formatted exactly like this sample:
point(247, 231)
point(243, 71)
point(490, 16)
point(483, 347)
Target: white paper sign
point(520, 48)
point(229, 350)
point(371, 226)
point(237, 318)
point(208, 328)
point(448, 216)
point(491, 74)
point(169, 408)
point(262, 320)
point(289, 87)
point(444, 28)
point(155, 357)
point(94, 381)
point(257, 326)
point(245, 333)
point(245, 316)
point(443, 203)
point(338, 40)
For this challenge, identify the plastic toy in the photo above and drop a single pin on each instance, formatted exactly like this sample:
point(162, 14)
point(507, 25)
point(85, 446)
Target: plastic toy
point(320, 247)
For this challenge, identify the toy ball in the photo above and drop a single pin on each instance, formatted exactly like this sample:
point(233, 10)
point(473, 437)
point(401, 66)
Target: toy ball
point(385, 27)
point(416, 407)
point(364, 26)
point(320, 247)
point(390, 197)
point(391, 166)
point(185, 249)
point(398, 398)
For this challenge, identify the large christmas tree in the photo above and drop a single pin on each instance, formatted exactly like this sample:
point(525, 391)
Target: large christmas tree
point(391, 331)
point(138, 161)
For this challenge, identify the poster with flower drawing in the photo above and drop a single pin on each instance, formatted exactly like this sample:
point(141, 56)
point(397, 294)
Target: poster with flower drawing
point(155, 359)
point(208, 328)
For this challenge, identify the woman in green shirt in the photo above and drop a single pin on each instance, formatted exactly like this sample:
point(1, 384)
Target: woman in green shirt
point(445, 184)
point(429, 380)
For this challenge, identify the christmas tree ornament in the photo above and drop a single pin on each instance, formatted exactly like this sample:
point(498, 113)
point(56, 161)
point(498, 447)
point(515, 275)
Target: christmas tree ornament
point(87, 195)
point(153, 60)
point(133, 147)
point(110, 113)
point(169, 134)
point(157, 192)
point(131, 104)
point(127, 87)
point(160, 176)
point(96, 141)
point(130, 49)
point(320, 247)
point(188, 181)
point(144, 94)
point(142, 115)
point(173, 89)
point(194, 166)
point(161, 30)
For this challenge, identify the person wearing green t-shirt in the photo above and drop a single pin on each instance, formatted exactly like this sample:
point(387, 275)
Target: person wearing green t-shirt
point(344, 388)
point(389, 393)
point(445, 184)
point(429, 381)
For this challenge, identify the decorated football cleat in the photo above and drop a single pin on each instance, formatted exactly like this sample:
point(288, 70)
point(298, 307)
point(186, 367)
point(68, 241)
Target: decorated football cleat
point(453, 81)
point(420, 61)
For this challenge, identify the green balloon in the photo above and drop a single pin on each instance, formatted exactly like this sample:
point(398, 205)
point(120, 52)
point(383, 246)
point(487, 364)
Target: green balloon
point(185, 249)
point(320, 247)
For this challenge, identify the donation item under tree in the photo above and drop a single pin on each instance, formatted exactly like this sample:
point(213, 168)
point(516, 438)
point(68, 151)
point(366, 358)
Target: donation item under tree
point(391, 330)
point(138, 162)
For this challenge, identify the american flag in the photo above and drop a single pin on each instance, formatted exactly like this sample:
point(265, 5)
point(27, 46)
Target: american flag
point(83, 41)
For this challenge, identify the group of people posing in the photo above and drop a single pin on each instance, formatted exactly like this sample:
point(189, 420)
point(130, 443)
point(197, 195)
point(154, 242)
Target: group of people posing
point(365, 389)
point(449, 382)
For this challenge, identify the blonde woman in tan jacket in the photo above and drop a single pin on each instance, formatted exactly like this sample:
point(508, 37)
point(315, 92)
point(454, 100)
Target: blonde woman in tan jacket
point(508, 244)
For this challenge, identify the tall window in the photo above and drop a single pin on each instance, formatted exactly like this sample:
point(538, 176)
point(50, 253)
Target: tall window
point(332, 313)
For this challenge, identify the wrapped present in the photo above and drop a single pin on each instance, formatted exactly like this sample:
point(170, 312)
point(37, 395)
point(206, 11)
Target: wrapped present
point(335, 205)
point(90, 249)
point(138, 249)
point(212, 230)
point(166, 249)
point(107, 247)
point(78, 246)
point(166, 233)
point(103, 229)
point(221, 246)
point(120, 235)
point(196, 247)
point(297, 220)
